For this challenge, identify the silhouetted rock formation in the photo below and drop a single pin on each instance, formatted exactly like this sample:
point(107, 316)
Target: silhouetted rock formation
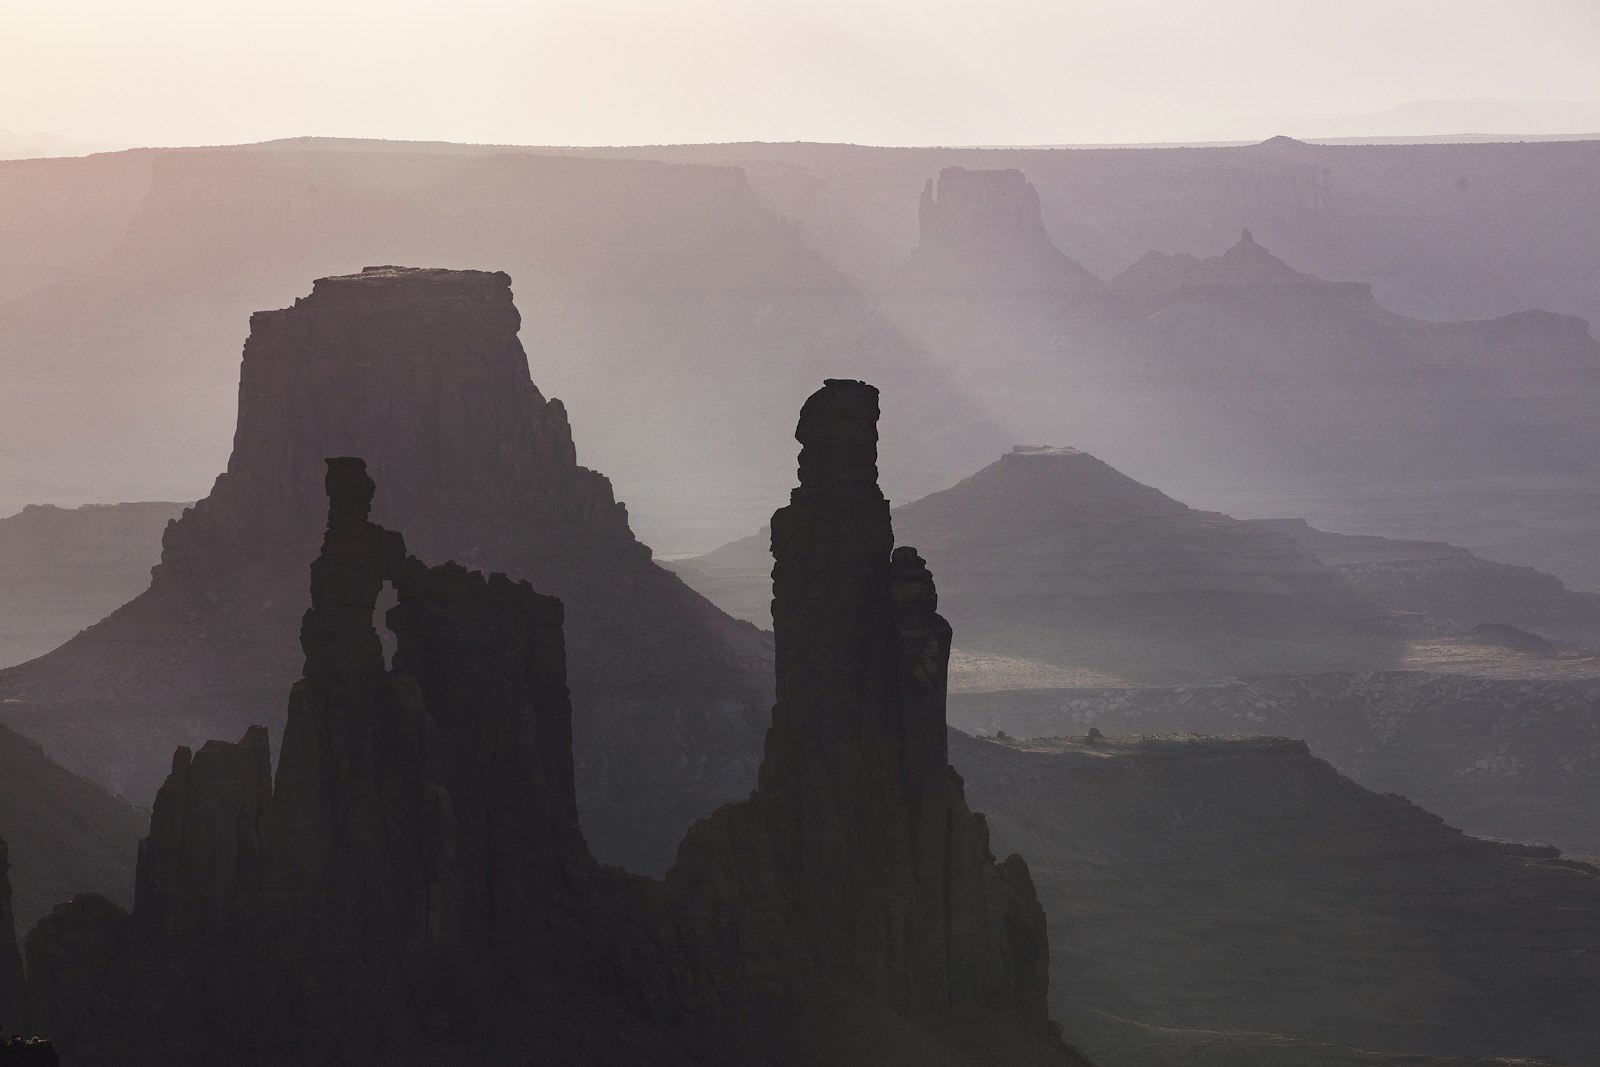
point(10, 958)
point(983, 230)
point(859, 817)
point(421, 372)
point(67, 834)
point(423, 820)
point(419, 853)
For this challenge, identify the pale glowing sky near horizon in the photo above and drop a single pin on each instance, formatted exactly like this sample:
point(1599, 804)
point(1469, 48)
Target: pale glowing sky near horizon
point(869, 71)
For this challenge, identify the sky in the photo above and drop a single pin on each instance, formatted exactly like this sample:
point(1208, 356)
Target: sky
point(893, 72)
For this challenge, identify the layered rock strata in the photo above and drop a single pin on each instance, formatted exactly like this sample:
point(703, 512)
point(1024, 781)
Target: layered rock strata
point(418, 856)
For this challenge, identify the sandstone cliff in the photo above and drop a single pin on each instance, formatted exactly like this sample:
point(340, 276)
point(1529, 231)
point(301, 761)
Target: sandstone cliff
point(422, 820)
point(418, 858)
point(858, 814)
point(421, 372)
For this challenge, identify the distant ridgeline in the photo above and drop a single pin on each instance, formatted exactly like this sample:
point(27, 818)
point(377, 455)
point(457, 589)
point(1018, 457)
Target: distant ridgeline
point(418, 858)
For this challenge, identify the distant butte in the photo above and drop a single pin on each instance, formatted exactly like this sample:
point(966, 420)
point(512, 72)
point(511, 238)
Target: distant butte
point(984, 230)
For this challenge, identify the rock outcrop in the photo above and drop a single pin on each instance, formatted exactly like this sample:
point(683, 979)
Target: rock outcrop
point(1226, 901)
point(10, 958)
point(419, 371)
point(420, 818)
point(858, 816)
point(982, 230)
point(418, 856)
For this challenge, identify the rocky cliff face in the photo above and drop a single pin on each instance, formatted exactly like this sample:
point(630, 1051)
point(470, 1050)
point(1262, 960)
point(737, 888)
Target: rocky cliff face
point(421, 372)
point(422, 818)
point(419, 854)
point(983, 230)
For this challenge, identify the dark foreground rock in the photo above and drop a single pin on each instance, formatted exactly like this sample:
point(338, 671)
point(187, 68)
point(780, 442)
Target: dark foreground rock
point(421, 372)
point(10, 958)
point(1220, 901)
point(414, 884)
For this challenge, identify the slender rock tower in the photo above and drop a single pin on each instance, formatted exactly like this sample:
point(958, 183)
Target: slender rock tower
point(885, 874)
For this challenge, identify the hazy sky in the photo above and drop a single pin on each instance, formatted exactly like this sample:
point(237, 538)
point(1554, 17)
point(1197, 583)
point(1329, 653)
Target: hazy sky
point(874, 71)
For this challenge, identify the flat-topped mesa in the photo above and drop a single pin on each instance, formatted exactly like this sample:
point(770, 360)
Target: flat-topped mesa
point(420, 371)
point(980, 208)
point(984, 230)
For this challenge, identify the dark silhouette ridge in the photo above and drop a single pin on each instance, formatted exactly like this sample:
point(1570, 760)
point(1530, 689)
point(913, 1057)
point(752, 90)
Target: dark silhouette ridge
point(420, 371)
point(420, 848)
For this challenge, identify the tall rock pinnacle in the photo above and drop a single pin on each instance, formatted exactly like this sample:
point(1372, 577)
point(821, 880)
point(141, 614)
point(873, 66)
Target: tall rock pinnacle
point(419, 852)
point(888, 873)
